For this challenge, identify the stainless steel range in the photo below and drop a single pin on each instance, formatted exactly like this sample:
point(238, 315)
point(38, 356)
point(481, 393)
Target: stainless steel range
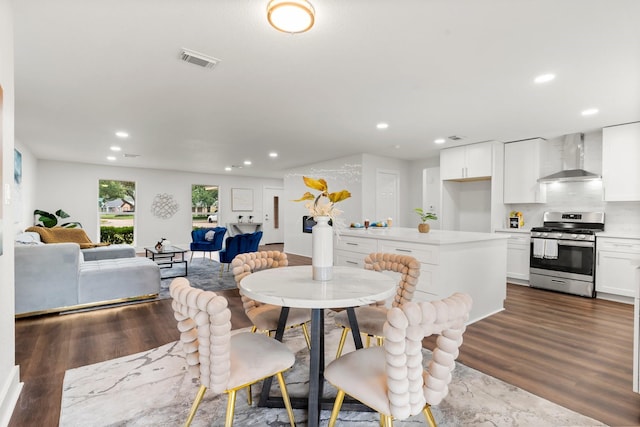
point(563, 252)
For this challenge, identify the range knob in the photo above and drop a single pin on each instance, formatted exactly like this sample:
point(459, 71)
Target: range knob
point(545, 234)
point(574, 236)
point(582, 236)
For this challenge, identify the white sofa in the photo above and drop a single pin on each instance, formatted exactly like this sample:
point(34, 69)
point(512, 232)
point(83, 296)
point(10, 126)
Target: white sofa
point(55, 277)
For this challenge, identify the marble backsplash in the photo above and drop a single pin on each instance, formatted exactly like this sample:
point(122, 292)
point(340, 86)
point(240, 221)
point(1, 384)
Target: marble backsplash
point(582, 196)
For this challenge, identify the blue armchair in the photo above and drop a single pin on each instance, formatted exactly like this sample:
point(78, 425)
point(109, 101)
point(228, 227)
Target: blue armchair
point(207, 240)
point(239, 244)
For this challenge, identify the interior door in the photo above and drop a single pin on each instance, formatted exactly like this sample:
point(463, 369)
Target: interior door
point(272, 221)
point(387, 184)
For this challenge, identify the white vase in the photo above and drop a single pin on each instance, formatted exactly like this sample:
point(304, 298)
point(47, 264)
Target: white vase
point(322, 249)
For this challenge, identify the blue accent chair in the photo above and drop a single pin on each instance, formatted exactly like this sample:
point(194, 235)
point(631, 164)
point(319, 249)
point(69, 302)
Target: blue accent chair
point(203, 241)
point(239, 244)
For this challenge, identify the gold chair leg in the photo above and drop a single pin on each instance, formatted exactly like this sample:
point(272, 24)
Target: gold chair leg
point(305, 331)
point(389, 421)
point(368, 341)
point(254, 329)
point(429, 416)
point(285, 398)
point(343, 338)
point(379, 341)
point(195, 405)
point(336, 408)
point(231, 405)
point(249, 398)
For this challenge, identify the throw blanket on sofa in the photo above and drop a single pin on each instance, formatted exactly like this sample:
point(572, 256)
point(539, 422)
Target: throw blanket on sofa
point(64, 235)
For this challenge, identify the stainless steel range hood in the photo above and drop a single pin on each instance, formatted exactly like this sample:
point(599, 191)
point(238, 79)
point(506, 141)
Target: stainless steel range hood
point(572, 162)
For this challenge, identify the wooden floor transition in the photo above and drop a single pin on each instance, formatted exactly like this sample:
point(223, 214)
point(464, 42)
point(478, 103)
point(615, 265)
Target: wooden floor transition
point(571, 350)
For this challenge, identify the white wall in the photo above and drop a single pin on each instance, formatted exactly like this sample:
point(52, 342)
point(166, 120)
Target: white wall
point(73, 187)
point(10, 385)
point(340, 174)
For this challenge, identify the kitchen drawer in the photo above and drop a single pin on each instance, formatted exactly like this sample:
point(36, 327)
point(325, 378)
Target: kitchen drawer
point(356, 244)
point(618, 245)
point(349, 259)
point(424, 253)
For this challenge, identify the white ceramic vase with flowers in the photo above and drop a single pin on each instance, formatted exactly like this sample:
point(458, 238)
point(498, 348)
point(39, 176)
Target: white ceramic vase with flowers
point(322, 208)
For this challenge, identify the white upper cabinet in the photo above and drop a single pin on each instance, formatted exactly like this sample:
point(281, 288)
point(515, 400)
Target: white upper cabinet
point(522, 169)
point(466, 162)
point(621, 162)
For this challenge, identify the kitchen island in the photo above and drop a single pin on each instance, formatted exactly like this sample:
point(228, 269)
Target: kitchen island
point(451, 261)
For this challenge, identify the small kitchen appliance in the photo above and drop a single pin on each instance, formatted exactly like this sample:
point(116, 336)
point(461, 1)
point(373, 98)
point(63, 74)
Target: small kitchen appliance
point(563, 252)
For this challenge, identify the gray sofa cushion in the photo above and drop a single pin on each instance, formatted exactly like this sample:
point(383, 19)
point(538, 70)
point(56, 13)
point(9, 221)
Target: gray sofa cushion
point(109, 252)
point(46, 276)
point(110, 279)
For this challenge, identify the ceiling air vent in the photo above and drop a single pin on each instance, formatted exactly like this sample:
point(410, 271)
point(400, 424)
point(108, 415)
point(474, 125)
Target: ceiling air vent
point(455, 138)
point(198, 59)
point(131, 155)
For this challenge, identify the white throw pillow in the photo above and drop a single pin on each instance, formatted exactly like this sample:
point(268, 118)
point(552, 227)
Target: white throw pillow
point(209, 236)
point(29, 238)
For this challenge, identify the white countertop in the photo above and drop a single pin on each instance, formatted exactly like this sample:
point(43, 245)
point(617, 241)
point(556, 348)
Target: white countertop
point(295, 287)
point(620, 234)
point(514, 230)
point(433, 237)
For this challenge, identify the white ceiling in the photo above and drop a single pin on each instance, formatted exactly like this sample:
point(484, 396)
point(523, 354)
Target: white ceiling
point(430, 68)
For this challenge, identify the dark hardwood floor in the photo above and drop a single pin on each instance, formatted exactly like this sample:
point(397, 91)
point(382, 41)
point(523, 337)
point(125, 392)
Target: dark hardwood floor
point(574, 351)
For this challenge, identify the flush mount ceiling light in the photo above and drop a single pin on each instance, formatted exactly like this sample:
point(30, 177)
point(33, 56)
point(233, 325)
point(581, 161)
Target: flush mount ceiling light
point(122, 134)
point(291, 16)
point(439, 141)
point(273, 154)
point(382, 126)
point(590, 112)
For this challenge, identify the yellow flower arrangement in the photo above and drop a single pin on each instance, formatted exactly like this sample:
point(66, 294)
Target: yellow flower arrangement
point(316, 205)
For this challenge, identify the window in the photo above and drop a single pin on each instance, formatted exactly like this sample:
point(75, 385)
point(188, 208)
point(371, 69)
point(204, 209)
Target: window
point(117, 208)
point(204, 206)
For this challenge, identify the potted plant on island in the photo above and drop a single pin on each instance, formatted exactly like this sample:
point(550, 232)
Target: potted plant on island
point(424, 217)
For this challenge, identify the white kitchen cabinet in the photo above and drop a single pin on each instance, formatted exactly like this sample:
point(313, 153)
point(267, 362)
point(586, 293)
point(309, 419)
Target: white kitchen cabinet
point(522, 169)
point(351, 251)
point(466, 162)
point(617, 259)
point(620, 157)
point(518, 251)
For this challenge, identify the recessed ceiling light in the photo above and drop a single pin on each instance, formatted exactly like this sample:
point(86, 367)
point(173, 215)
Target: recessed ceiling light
point(544, 78)
point(590, 112)
point(122, 134)
point(439, 141)
point(115, 148)
point(228, 168)
point(111, 158)
point(273, 154)
point(247, 162)
point(382, 125)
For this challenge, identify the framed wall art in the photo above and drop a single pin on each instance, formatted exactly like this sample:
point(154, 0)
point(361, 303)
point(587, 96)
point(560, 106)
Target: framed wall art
point(241, 199)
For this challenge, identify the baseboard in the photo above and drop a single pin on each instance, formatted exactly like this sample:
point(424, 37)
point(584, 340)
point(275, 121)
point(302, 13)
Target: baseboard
point(9, 395)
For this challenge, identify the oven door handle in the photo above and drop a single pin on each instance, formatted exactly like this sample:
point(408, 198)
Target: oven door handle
point(574, 243)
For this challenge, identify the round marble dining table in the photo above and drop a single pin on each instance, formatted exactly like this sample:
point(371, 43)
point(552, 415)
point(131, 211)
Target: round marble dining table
point(294, 287)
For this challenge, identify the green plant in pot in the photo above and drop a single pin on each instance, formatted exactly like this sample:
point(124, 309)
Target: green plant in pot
point(424, 217)
point(50, 220)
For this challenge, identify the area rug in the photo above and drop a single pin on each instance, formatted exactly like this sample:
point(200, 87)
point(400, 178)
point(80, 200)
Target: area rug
point(152, 388)
point(202, 273)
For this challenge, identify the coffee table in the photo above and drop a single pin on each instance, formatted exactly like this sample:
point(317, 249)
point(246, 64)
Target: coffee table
point(167, 258)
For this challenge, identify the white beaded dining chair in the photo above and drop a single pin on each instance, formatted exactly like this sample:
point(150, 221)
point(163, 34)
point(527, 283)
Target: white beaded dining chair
point(391, 379)
point(223, 362)
point(371, 318)
point(265, 316)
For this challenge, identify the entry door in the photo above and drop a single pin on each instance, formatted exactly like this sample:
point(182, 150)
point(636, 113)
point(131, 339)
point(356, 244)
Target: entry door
point(272, 221)
point(387, 184)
